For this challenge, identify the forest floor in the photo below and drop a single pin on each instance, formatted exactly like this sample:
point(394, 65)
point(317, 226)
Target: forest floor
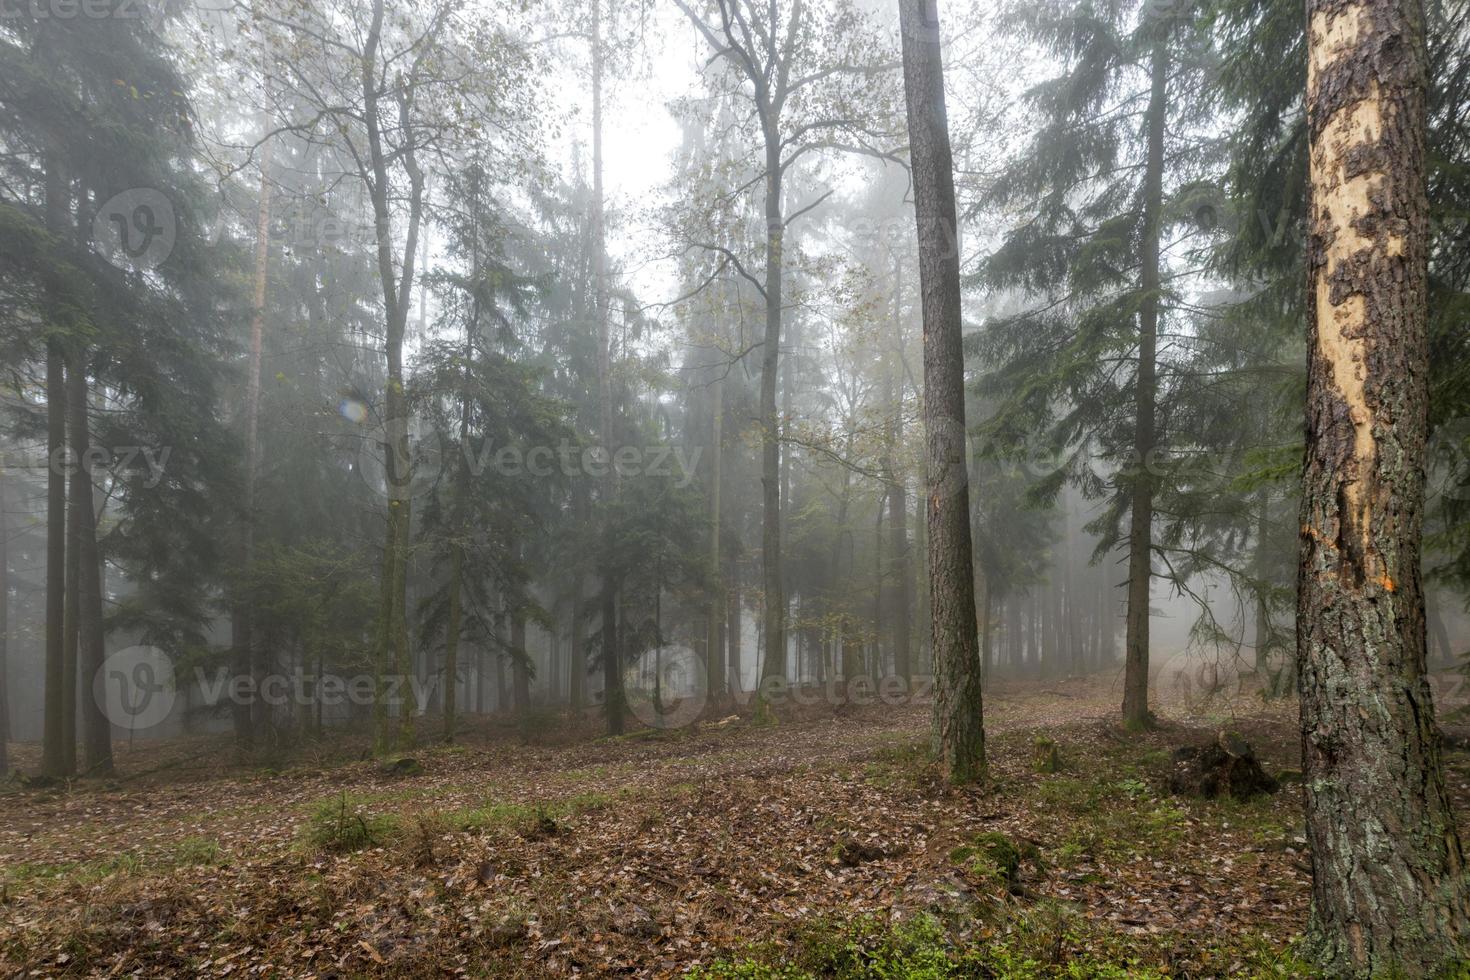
point(824, 845)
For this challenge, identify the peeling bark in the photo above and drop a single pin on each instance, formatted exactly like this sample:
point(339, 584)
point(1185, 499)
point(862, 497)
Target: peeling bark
point(1389, 893)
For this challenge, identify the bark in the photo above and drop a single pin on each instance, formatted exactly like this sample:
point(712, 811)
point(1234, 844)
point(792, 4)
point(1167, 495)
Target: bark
point(1389, 889)
point(55, 762)
point(842, 562)
point(959, 733)
point(451, 642)
point(482, 681)
point(71, 616)
point(734, 678)
point(898, 524)
point(576, 658)
point(1013, 633)
point(1141, 510)
point(1271, 685)
point(1442, 645)
point(396, 280)
point(612, 673)
point(577, 692)
point(878, 577)
point(245, 717)
point(96, 730)
point(774, 621)
point(4, 632)
point(502, 686)
point(714, 640)
point(521, 662)
point(984, 605)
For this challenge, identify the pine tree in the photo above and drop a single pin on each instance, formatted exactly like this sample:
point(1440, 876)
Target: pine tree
point(1077, 376)
point(1389, 890)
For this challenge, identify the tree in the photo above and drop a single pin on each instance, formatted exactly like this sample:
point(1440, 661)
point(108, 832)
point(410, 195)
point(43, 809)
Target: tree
point(1389, 889)
point(1078, 373)
point(813, 83)
point(55, 759)
point(612, 674)
point(959, 729)
point(4, 631)
point(395, 90)
point(241, 632)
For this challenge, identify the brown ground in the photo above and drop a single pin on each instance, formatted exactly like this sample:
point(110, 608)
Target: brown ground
point(653, 853)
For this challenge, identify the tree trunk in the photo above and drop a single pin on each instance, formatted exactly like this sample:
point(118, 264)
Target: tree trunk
point(898, 523)
point(774, 621)
point(1442, 644)
point(1269, 686)
point(520, 666)
point(396, 279)
point(1141, 510)
point(451, 642)
point(71, 615)
point(959, 732)
point(4, 632)
point(612, 674)
point(577, 667)
point(983, 604)
point(55, 762)
point(241, 617)
point(1390, 895)
point(96, 730)
point(714, 644)
point(735, 680)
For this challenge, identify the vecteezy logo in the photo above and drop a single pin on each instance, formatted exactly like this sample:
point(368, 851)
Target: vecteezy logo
point(135, 687)
point(399, 462)
point(666, 688)
point(136, 228)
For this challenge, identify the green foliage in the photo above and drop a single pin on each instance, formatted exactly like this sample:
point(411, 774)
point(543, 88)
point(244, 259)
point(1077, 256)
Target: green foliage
point(1037, 943)
point(343, 824)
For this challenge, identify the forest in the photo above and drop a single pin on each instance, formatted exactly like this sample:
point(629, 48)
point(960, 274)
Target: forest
point(734, 489)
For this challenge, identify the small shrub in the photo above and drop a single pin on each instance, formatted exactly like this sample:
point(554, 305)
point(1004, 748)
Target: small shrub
point(341, 825)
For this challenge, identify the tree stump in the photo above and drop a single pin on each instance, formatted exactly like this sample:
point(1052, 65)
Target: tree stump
point(1225, 767)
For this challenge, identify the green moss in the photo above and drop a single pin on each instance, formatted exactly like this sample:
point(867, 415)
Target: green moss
point(1046, 757)
point(993, 855)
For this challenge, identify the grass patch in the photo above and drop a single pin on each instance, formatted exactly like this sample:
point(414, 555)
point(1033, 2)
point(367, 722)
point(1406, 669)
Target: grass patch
point(188, 852)
point(343, 824)
point(1043, 942)
point(900, 765)
point(196, 851)
point(28, 874)
point(1111, 817)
